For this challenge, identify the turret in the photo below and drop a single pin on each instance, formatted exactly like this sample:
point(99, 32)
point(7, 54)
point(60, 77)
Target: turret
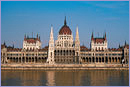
point(92, 38)
point(119, 46)
point(125, 42)
point(24, 36)
point(4, 43)
point(105, 36)
point(50, 59)
point(65, 21)
point(37, 36)
point(77, 46)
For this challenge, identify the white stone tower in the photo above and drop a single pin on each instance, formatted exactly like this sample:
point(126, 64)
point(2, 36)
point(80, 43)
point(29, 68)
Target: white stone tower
point(77, 46)
point(50, 59)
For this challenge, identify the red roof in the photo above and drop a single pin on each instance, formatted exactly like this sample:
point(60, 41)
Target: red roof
point(83, 48)
point(31, 40)
point(98, 40)
point(3, 46)
point(115, 49)
point(44, 49)
point(126, 46)
point(65, 30)
point(14, 49)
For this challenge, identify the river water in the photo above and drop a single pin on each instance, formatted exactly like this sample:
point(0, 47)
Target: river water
point(64, 78)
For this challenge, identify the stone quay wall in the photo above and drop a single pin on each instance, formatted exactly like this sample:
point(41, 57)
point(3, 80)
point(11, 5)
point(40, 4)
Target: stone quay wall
point(63, 66)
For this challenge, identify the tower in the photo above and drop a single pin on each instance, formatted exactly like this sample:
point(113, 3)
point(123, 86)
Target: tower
point(99, 43)
point(50, 59)
point(77, 47)
point(105, 36)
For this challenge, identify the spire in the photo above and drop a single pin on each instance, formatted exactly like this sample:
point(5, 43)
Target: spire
point(65, 21)
point(4, 43)
point(13, 45)
point(37, 35)
point(77, 34)
point(92, 36)
point(50, 59)
point(25, 36)
point(51, 34)
point(77, 41)
point(105, 36)
point(83, 43)
point(119, 45)
point(125, 42)
point(32, 34)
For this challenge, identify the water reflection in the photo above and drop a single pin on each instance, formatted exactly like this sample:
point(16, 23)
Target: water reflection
point(65, 78)
point(50, 78)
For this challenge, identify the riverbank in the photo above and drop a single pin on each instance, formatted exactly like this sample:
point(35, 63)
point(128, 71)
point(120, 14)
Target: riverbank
point(63, 66)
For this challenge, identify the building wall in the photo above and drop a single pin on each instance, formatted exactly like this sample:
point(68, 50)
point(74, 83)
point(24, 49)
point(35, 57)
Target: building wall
point(24, 56)
point(106, 57)
point(65, 56)
point(99, 46)
point(29, 46)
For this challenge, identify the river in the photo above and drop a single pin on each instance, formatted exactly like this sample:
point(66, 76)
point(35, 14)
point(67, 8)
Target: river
point(64, 77)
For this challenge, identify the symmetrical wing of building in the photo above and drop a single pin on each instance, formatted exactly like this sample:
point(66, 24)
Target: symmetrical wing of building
point(65, 50)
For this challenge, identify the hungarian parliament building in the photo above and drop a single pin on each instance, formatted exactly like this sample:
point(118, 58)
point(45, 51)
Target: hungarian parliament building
point(64, 50)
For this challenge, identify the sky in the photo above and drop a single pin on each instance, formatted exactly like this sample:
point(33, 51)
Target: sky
point(24, 17)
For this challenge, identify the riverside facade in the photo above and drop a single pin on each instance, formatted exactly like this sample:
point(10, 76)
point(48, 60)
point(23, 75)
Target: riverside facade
point(65, 50)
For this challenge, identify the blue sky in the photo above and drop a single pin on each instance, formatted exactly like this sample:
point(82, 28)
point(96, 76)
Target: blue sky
point(24, 17)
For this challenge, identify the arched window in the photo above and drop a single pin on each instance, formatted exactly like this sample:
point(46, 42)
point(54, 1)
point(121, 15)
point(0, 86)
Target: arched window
point(51, 54)
point(102, 48)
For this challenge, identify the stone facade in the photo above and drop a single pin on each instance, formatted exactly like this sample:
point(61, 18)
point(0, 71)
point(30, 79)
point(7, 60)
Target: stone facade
point(66, 50)
point(31, 43)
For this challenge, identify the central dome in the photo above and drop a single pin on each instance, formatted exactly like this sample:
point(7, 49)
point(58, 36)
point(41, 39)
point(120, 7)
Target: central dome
point(65, 29)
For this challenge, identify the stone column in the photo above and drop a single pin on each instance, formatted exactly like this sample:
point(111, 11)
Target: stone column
point(31, 59)
point(18, 59)
point(111, 60)
point(101, 59)
point(91, 59)
point(14, 60)
point(34, 59)
point(104, 59)
point(25, 59)
point(98, 59)
point(21, 59)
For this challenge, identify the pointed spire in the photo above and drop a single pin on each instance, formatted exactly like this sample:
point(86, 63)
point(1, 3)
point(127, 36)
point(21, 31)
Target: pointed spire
point(83, 43)
point(92, 36)
point(65, 21)
point(25, 36)
point(77, 33)
point(51, 33)
point(13, 45)
point(125, 42)
point(105, 36)
point(4, 43)
point(32, 34)
point(119, 45)
point(37, 35)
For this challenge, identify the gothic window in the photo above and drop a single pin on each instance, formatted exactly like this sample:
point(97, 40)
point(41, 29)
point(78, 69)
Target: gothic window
point(51, 54)
point(96, 48)
point(102, 48)
point(65, 44)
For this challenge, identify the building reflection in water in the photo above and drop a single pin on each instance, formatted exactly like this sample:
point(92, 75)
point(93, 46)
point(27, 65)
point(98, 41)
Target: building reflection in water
point(50, 78)
point(65, 78)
